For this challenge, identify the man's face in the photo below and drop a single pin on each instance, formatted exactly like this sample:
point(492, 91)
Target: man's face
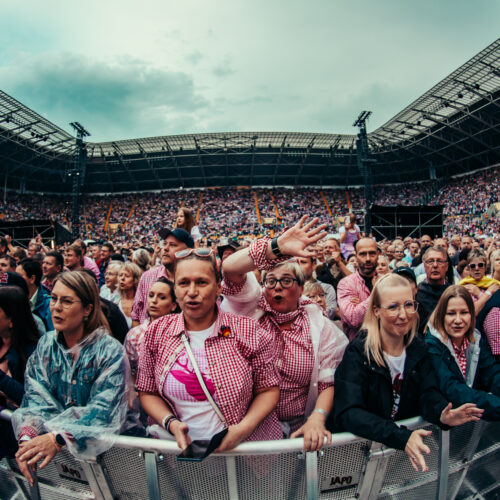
point(31, 250)
point(399, 253)
point(105, 253)
point(366, 256)
point(171, 245)
point(96, 249)
point(414, 249)
point(455, 241)
point(71, 260)
point(441, 242)
point(331, 246)
point(5, 265)
point(307, 265)
point(435, 265)
point(49, 267)
point(466, 243)
point(426, 241)
point(30, 281)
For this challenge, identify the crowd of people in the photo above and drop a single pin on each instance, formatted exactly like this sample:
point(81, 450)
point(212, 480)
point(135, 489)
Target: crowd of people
point(294, 333)
point(232, 212)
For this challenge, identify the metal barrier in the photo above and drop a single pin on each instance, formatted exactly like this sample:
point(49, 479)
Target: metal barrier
point(463, 463)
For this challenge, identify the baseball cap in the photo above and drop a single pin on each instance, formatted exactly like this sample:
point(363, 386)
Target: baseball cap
point(179, 234)
point(226, 243)
point(407, 272)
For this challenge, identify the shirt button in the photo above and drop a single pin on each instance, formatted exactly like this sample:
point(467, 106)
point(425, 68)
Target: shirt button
point(74, 382)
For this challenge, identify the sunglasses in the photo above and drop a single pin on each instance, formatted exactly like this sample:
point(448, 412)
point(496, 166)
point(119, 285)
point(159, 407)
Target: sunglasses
point(199, 252)
point(479, 265)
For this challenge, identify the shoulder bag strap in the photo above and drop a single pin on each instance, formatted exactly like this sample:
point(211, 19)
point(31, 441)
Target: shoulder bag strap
point(210, 399)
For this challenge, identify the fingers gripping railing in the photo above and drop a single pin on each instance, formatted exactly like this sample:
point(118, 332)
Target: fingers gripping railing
point(351, 467)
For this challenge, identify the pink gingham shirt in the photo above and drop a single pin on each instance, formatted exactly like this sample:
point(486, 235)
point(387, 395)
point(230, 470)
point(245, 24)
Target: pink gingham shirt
point(133, 342)
point(491, 328)
point(140, 307)
point(352, 314)
point(240, 363)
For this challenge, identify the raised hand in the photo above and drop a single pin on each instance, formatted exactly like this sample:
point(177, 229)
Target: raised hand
point(468, 412)
point(297, 239)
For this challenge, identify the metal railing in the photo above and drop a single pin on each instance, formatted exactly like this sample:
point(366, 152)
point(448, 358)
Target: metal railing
point(463, 462)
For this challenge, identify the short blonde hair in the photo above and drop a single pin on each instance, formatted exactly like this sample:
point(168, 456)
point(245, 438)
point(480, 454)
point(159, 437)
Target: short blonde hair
point(293, 267)
point(135, 271)
point(373, 343)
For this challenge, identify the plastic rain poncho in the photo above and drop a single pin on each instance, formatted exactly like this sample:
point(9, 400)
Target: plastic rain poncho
point(81, 393)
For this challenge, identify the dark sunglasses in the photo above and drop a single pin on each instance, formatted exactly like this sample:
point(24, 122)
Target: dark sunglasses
point(479, 265)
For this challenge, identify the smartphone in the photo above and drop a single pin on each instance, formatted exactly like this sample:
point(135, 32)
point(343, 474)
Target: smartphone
point(199, 449)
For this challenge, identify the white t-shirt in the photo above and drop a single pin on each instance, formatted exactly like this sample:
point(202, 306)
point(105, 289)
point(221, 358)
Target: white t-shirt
point(184, 391)
point(396, 366)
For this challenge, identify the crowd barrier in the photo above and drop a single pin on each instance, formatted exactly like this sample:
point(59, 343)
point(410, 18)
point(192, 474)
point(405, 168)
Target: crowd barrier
point(464, 463)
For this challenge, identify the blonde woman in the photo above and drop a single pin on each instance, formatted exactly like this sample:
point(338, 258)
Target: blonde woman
point(386, 375)
point(128, 281)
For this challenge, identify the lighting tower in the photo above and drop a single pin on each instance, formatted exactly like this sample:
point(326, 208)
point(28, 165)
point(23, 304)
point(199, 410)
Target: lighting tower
point(365, 166)
point(78, 174)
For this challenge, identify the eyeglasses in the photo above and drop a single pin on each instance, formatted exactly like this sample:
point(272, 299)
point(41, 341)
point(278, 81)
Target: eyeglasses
point(199, 252)
point(65, 302)
point(479, 265)
point(285, 282)
point(438, 262)
point(410, 307)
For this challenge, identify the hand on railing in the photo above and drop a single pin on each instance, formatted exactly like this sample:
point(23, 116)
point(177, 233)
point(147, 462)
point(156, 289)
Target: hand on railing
point(468, 412)
point(180, 430)
point(415, 447)
point(314, 433)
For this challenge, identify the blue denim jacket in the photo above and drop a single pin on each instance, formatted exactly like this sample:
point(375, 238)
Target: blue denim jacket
point(81, 393)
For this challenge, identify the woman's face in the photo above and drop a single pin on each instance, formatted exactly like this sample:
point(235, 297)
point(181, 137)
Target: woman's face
point(457, 319)
point(317, 296)
point(496, 264)
point(477, 268)
point(67, 310)
point(282, 299)
point(125, 280)
point(181, 219)
point(396, 323)
point(382, 266)
point(196, 288)
point(111, 278)
point(160, 301)
point(5, 325)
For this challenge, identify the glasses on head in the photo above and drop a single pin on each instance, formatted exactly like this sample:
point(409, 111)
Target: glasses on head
point(410, 307)
point(199, 252)
point(438, 262)
point(65, 302)
point(479, 265)
point(285, 282)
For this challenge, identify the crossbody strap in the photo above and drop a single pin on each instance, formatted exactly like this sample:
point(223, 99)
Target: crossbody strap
point(210, 399)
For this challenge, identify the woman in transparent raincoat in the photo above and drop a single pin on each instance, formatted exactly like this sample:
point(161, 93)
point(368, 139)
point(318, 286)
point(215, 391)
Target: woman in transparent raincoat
point(77, 382)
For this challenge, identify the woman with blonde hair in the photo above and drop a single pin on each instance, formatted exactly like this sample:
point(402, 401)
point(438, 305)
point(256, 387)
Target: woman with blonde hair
point(386, 375)
point(77, 381)
point(128, 281)
point(142, 259)
point(466, 368)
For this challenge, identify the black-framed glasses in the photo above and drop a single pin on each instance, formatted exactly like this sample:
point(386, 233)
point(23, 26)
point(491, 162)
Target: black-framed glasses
point(410, 307)
point(286, 282)
point(479, 265)
point(199, 252)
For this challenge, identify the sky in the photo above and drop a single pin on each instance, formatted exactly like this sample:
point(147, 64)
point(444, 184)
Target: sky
point(129, 69)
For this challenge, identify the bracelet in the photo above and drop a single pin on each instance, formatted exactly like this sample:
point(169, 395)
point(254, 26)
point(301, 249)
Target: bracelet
point(487, 292)
point(166, 419)
point(275, 248)
point(168, 425)
point(320, 410)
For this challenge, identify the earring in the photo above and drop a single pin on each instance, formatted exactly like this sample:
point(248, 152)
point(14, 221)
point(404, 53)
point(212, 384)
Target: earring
point(85, 318)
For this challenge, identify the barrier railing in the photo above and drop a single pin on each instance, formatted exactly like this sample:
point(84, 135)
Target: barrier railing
point(463, 463)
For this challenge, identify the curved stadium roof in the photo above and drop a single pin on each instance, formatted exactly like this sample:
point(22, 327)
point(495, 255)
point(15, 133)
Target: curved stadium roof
point(454, 127)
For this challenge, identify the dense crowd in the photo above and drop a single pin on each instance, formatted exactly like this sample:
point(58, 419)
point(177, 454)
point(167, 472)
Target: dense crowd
point(270, 333)
point(231, 212)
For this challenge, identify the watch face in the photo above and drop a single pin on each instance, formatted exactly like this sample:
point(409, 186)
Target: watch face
point(60, 440)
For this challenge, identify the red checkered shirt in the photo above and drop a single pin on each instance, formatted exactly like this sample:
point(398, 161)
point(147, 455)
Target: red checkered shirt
point(140, 307)
point(491, 328)
point(133, 342)
point(240, 363)
point(461, 355)
point(352, 314)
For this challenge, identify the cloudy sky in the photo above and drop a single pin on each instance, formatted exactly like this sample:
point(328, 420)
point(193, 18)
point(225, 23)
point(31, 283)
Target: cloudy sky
point(127, 69)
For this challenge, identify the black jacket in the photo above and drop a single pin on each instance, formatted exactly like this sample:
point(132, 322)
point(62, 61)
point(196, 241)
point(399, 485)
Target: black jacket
point(363, 398)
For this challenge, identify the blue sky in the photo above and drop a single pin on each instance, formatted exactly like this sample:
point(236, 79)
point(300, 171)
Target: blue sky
point(136, 69)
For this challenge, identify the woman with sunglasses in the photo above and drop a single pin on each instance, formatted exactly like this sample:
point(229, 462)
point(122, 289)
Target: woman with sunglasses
point(477, 284)
point(77, 381)
point(308, 346)
point(466, 368)
point(386, 375)
point(204, 370)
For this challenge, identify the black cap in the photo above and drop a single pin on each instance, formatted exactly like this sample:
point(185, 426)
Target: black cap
point(227, 243)
point(179, 234)
point(407, 272)
point(14, 279)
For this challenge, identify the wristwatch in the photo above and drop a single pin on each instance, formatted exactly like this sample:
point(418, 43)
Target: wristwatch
point(275, 248)
point(60, 440)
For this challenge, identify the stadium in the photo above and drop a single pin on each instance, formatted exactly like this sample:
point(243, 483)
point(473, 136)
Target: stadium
point(433, 169)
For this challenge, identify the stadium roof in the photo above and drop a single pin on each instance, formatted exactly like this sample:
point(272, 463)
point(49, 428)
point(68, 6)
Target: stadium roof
point(453, 128)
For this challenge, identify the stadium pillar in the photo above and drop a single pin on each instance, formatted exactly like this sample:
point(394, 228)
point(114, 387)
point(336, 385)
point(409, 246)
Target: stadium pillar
point(78, 173)
point(364, 165)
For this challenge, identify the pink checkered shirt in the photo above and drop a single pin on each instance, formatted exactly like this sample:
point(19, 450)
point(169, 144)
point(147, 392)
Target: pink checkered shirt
point(352, 314)
point(140, 307)
point(491, 328)
point(461, 355)
point(133, 342)
point(240, 363)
